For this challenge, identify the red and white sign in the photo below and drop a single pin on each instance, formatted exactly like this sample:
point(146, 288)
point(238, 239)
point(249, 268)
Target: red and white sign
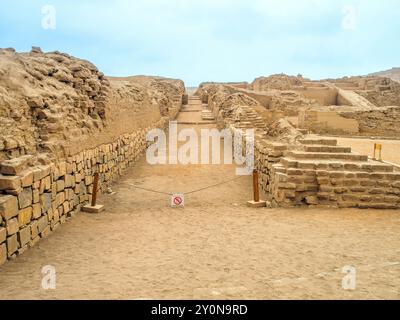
point(178, 201)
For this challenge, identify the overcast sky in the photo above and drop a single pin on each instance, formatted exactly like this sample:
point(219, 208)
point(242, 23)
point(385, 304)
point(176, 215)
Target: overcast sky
point(218, 40)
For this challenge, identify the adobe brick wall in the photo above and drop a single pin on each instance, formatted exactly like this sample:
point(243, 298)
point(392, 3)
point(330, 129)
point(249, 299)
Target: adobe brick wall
point(35, 201)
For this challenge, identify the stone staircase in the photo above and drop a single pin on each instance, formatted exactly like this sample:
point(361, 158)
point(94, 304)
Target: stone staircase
point(250, 120)
point(322, 173)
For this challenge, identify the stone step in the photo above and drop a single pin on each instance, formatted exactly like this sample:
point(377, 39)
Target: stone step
point(370, 166)
point(327, 156)
point(318, 141)
point(326, 149)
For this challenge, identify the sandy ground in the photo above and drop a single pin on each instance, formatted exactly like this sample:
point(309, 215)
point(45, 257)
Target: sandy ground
point(390, 148)
point(215, 248)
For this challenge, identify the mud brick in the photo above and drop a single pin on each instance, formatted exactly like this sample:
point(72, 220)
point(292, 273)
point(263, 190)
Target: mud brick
point(88, 180)
point(35, 195)
point(336, 182)
point(396, 184)
point(25, 216)
point(340, 190)
point(322, 166)
point(323, 196)
point(50, 214)
point(62, 168)
point(45, 202)
point(12, 245)
point(42, 224)
point(46, 232)
point(310, 180)
point(391, 199)
point(337, 175)
point(66, 207)
point(383, 183)
point(36, 211)
point(336, 166)
point(40, 172)
point(60, 185)
point(54, 225)
point(10, 182)
point(363, 175)
point(322, 173)
point(377, 176)
point(12, 226)
point(358, 189)
point(351, 166)
point(45, 184)
point(287, 185)
point(367, 183)
point(8, 207)
point(377, 191)
point(69, 181)
point(326, 189)
point(14, 167)
point(53, 190)
point(25, 198)
point(350, 183)
point(27, 179)
point(24, 236)
point(34, 229)
point(78, 178)
point(3, 253)
point(34, 241)
point(312, 200)
point(306, 187)
point(350, 198)
point(3, 234)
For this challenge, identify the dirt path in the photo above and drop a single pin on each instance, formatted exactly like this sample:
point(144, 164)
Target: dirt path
point(215, 248)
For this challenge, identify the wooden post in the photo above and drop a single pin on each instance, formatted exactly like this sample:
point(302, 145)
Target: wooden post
point(256, 187)
point(95, 187)
point(378, 147)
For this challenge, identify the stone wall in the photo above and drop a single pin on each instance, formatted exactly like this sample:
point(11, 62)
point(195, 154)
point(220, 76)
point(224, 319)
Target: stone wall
point(35, 201)
point(297, 169)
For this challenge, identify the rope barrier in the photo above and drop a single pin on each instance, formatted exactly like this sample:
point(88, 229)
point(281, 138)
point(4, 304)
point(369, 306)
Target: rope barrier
point(191, 192)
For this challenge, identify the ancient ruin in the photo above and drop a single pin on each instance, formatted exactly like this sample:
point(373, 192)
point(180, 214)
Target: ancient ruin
point(62, 121)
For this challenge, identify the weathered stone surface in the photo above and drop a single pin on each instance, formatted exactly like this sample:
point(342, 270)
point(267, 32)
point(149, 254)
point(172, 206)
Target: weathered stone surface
point(36, 211)
point(24, 236)
point(12, 244)
point(25, 216)
point(8, 207)
point(60, 185)
point(26, 178)
point(45, 202)
point(3, 253)
point(15, 166)
point(12, 226)
point(10, 182)
point(42, 224)
point(3, 234)
point(25, 198)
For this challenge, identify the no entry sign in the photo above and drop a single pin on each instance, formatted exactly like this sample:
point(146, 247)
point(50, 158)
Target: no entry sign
point(178, 201)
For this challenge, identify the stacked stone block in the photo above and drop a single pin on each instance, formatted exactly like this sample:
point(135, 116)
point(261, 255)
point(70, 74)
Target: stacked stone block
point(34, 201)
point(335, 177)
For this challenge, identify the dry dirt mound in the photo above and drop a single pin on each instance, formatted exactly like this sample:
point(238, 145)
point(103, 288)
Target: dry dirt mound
point(55, 103)
point(277, 82)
